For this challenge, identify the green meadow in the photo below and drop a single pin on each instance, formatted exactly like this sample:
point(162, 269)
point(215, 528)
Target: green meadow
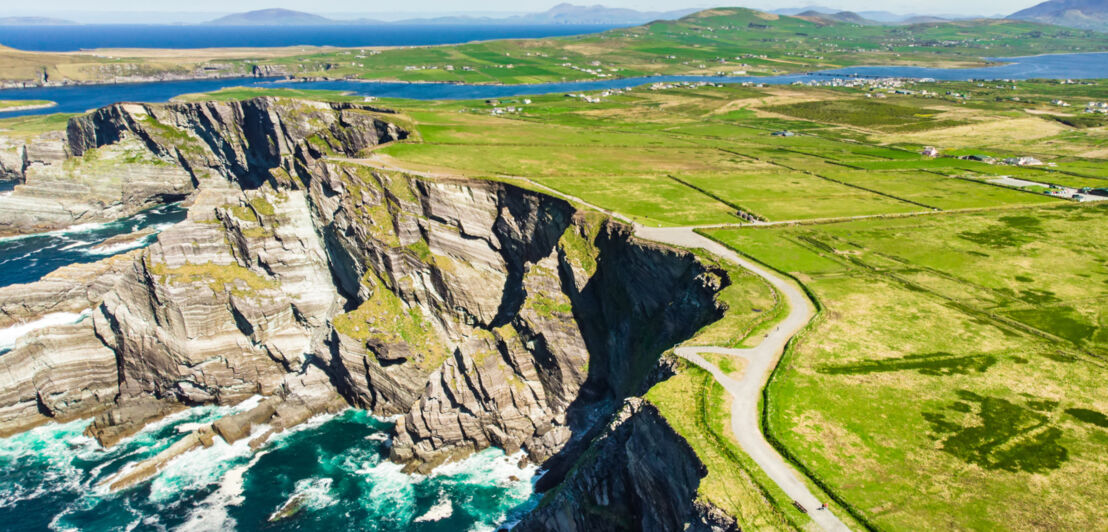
point(953, 377)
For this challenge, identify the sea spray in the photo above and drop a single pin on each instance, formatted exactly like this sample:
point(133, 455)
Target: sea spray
point(211, 514)
point(333, 469)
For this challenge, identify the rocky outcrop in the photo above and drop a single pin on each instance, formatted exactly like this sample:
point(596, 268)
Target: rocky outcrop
point(124, 158)
point(73, 288)
point(222, 306)
point(638, 475)
point(479, 313)
point(62, 373)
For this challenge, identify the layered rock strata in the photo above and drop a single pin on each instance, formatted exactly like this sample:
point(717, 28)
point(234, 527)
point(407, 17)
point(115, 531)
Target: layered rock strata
point(479, 313)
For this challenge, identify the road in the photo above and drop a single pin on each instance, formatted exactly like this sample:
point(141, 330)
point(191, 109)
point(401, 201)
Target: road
point(760, 362)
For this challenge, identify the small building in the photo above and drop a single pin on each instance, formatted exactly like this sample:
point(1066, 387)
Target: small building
point(1023, 161)
point(783, 133)
point(930, 151)
point(979, 158)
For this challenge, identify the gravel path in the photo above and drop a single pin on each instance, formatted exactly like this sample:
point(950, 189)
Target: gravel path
point(760, 362)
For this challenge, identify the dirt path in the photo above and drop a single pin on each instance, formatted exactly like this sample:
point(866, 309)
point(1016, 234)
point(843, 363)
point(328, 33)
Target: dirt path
point(760, 362)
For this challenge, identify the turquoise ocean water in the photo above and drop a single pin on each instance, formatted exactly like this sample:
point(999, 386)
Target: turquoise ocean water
point(329, 474)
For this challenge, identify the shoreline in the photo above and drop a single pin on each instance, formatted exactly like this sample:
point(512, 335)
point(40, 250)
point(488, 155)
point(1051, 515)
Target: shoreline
point(9, 85)
point(984, 62)
point(32, 107)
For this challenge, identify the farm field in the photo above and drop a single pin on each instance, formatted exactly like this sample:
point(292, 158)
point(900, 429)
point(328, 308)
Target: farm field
point(952, 379)
point(706, 156)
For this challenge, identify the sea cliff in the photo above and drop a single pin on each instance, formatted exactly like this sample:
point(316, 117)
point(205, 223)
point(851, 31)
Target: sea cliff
point(480, 313)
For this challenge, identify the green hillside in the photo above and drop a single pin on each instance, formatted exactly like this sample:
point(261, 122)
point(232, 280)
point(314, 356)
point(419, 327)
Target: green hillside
point(717, 41)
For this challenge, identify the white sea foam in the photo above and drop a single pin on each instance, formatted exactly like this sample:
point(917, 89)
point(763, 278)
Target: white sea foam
point(196, 469)
point(490, 465)
point(211, 513)
point(75, 244)
point(9, 335)
point(197, 416)
point(116, 249)
point(308, 494)
point(441, 510)
point(51, 448)
point(490, 468)
point(392, 492)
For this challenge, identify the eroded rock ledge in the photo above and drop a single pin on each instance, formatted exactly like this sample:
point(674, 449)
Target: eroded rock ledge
point(480, 313)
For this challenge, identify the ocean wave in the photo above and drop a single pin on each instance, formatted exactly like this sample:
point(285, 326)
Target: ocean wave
point(198, 468)
point(212, 513)
point(49, 451)
point(76, 244)
point(206, 488)
point(115, 249)
point(391, 495)
point(73, 229)
point(9, 335)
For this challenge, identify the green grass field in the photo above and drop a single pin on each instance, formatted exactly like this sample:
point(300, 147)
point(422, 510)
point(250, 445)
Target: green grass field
point(952, 380)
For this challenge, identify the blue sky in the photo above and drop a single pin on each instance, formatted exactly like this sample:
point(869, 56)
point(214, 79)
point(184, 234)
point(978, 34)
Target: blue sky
point(15, 7)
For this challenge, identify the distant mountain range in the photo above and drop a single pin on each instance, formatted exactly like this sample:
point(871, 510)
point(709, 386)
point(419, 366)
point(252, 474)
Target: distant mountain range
point(272, 17)
point(870, 17)
point(560, 14)
point(1084, 14)
point(568, 14)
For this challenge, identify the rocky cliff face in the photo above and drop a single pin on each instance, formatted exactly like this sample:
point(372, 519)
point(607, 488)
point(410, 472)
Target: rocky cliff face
point(480, 313)
point(124, 158)
point(637, 475)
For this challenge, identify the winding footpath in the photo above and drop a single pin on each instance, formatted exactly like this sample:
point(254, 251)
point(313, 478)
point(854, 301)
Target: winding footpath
point(760, 362)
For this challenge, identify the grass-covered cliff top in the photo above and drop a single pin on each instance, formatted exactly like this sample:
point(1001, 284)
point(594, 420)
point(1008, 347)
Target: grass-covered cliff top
point(723, 40)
